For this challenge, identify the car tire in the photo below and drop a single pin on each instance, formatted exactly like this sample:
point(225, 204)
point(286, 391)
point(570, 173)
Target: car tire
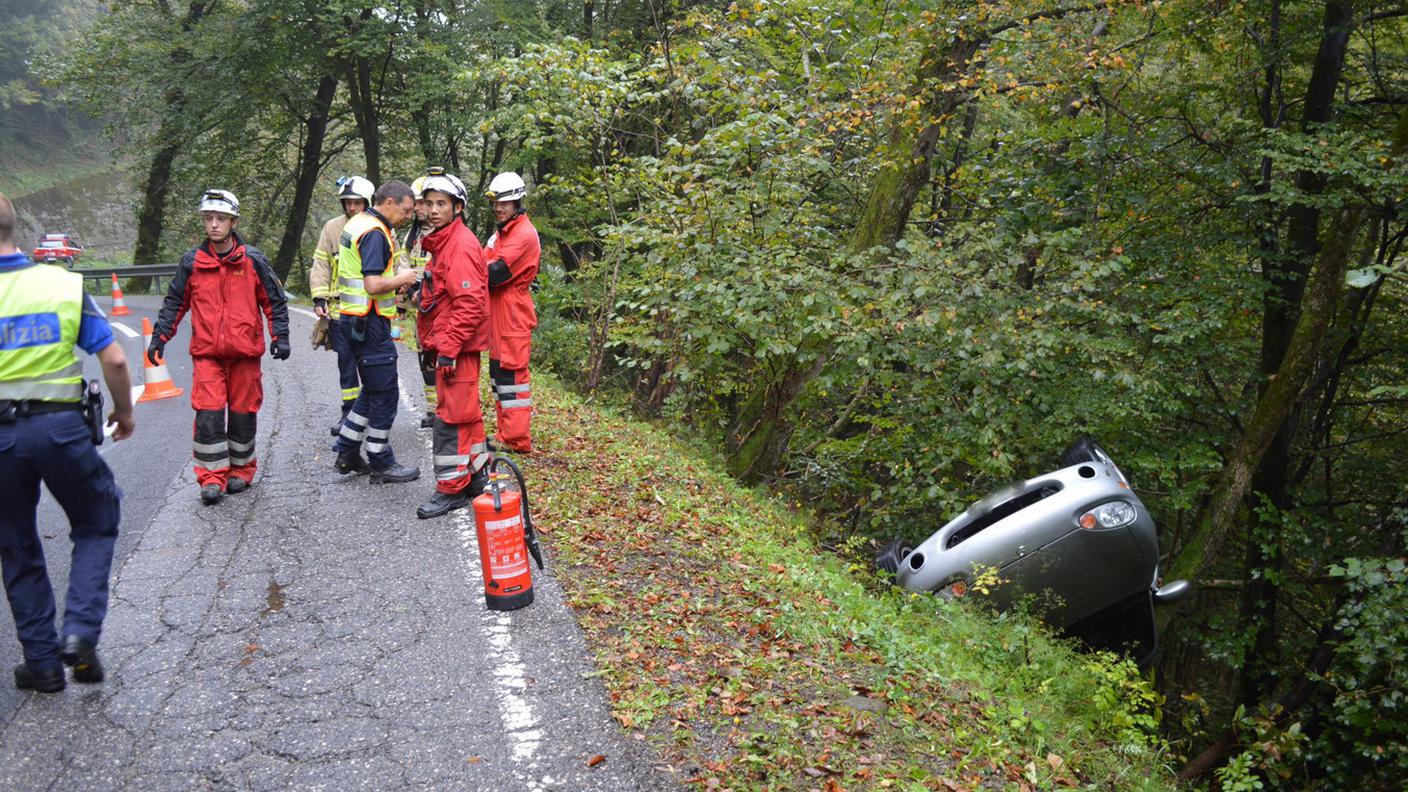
point(1082, 450)
point(888, 557)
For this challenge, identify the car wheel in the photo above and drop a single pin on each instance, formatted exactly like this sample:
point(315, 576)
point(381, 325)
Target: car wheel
point(1082, 450)
point(887, 559)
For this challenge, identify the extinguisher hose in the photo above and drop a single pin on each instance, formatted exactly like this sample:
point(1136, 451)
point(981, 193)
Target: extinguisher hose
point(530, 535)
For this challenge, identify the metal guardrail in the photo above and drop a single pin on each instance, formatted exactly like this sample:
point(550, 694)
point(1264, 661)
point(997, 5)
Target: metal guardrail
point(133, 271)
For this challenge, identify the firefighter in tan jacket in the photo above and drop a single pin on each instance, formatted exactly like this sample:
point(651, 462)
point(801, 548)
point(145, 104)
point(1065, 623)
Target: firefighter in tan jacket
point(355, 193)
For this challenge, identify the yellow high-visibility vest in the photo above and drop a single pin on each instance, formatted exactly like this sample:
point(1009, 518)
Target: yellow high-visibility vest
point(353, 293)
point(41, 308)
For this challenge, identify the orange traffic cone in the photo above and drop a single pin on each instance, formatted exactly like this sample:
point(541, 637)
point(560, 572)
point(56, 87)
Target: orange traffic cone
point(119, 307)
point(156, 379)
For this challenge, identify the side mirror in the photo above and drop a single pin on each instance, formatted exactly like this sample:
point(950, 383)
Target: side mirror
point(1172, 591)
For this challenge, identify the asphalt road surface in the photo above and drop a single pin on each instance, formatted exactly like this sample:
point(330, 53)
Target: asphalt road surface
point(308, 634)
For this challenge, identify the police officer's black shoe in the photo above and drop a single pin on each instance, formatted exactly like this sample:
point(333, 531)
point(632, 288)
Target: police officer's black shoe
point(82, 657)
point(211, 494)
point(337, 429)
point(236, 485)
point(27, 678)
point(395, 474)
point(441, 503)
point(351, 462)
point(428, 421)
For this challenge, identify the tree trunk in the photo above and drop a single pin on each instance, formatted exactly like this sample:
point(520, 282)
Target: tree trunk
point(358, 72)
point(907, 154)
point(309, 165)
point(1205, 544)
point(151, 217)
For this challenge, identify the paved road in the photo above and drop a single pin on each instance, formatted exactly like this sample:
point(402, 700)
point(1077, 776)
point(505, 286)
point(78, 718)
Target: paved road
point(309, 634)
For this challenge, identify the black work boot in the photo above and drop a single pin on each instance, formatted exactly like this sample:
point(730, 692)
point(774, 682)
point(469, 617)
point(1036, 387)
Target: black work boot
point(211, 494)
point(477, 483)
point(395, 473)
point(337, 429)
point(236, 485)
point(82, 657)
point(428, 422)
point(351, 462)
point(441, 503)
point(27, 678)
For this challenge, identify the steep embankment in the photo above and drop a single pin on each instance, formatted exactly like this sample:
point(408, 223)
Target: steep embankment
point(754, 660)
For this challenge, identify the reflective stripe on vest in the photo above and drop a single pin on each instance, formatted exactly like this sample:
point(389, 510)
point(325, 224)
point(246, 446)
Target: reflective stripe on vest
point(355, 300)
point(41, 307)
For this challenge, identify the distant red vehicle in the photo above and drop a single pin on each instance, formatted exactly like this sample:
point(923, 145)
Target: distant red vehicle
point(55, 247)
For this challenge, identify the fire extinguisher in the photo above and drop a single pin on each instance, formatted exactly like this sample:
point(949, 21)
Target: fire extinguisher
point(506, 540)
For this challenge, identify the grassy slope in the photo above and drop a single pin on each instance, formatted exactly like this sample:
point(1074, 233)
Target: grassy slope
point(753, 660)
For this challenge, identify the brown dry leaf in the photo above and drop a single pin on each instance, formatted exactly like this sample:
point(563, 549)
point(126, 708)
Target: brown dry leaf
point(1055, 761)
point(596, 760)
point(474, 759)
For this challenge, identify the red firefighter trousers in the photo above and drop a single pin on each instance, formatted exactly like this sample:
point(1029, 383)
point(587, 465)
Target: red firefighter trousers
point(224, 445)
point(458, 438)
point(513, 397)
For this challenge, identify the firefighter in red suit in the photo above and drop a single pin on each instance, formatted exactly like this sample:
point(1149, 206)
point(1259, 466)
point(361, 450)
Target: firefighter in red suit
point(512, 253)
point(231, 292)
point(454, 305)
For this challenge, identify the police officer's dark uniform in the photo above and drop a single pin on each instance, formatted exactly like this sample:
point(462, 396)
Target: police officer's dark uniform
point(44, 314)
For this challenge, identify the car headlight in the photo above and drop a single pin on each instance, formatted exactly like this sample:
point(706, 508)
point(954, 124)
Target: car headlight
point(1108, 515)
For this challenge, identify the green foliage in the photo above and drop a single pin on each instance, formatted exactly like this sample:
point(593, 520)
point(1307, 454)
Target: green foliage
point(1127, 702)
point(1367, 685)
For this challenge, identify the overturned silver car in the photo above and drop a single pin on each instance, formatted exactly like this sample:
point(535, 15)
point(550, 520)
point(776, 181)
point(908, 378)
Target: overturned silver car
point(1076, 546)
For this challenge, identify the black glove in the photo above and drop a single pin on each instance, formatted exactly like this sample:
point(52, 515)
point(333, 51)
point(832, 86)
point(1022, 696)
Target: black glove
point(320, 303)
point(445, 365)
point(157, 351)
point(279, 348)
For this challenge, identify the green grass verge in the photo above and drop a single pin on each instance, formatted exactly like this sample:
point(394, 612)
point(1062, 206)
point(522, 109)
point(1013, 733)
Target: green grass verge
point(753, 660)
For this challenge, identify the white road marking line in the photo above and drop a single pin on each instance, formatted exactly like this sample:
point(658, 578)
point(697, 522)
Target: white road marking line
point(129, 332)
point(510, 674)
point(303, 311)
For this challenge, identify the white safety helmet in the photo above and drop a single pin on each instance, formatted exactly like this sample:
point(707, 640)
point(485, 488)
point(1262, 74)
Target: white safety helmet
point(418, 186)
point(506, 187)
point(355, 187)
point(438, 180)
point(220, 201)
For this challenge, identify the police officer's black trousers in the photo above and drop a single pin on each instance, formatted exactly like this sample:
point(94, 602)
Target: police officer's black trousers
point(55, 448)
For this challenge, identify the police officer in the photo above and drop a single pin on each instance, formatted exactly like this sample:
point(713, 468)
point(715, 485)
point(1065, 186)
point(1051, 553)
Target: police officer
point(44, 314)
point(368, 282)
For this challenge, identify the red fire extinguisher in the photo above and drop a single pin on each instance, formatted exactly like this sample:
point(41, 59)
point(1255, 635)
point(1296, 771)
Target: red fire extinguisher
point(506, 540)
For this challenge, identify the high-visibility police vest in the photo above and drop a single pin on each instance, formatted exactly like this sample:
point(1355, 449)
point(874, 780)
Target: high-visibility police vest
point(355, 300)
point(41, 307)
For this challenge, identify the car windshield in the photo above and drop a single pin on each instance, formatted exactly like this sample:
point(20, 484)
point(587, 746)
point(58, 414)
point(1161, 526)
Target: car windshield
point(51, 243)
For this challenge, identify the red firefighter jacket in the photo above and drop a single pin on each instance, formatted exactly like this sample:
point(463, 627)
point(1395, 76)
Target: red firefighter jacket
point(513, 255)
point(229, 298)
point(455, 303)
